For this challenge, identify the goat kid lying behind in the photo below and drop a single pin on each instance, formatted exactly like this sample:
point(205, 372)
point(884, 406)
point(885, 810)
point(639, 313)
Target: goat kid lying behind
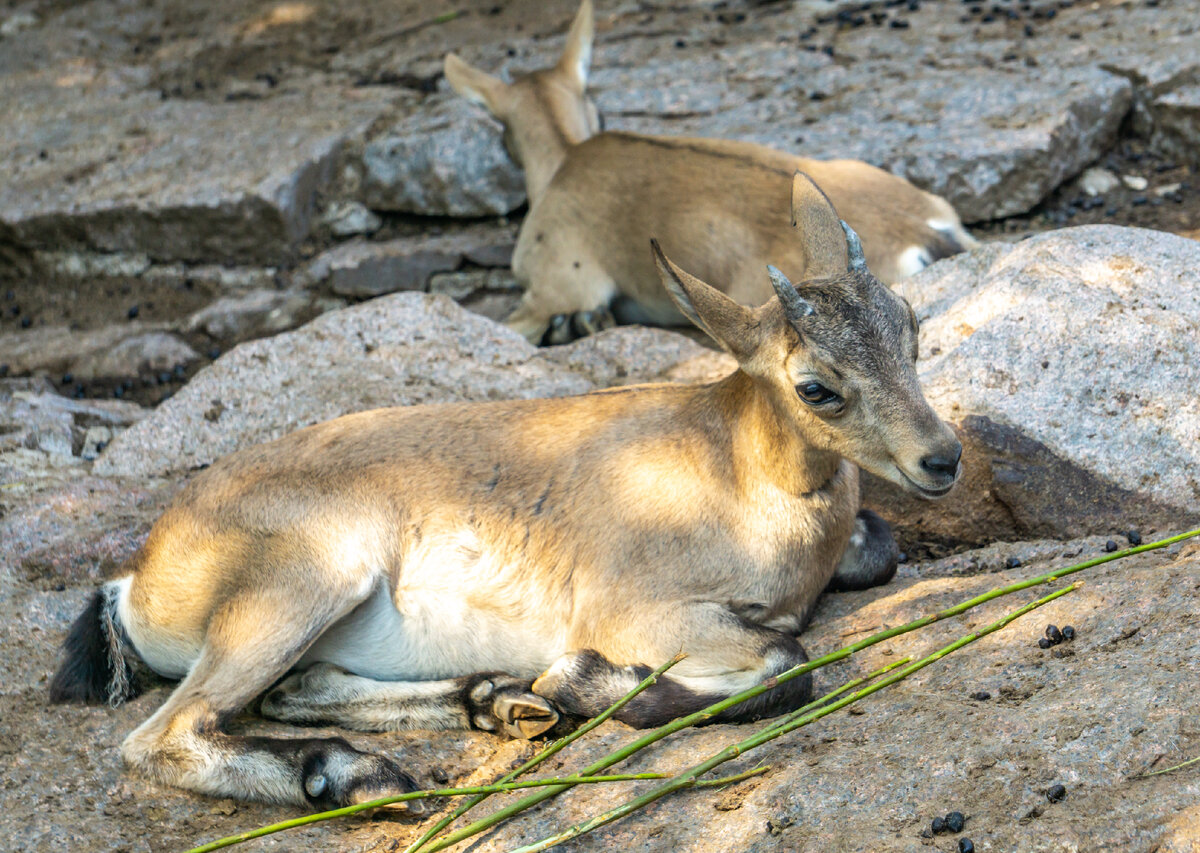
point(715, 205)
point(494, 564)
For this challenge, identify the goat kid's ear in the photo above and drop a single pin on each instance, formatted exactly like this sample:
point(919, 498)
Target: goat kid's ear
point(475, 85)
point(735, 327)
point(577, 55)
point(813, 215)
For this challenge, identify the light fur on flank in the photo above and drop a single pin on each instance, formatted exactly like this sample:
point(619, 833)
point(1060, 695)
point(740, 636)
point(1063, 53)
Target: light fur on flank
point(716, 206)
point(496, 564)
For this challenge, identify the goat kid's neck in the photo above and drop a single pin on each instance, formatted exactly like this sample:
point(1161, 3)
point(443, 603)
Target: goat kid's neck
point(545, 141)
point(765, 443)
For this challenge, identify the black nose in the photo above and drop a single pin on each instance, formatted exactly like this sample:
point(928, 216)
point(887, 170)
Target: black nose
point(944, 464)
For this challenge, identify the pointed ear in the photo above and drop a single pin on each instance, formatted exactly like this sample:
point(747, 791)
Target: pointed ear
point(735, 327)
point(475, 85)
point(577, 55)
point(814, 216)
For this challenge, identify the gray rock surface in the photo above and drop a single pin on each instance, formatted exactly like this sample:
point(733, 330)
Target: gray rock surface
point(127, 171)
point(110, 351)
point(364, 269)
point(1041, 353)
point(252, 314)
point(445, 159)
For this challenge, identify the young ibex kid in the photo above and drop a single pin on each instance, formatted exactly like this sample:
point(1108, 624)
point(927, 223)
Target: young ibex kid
point(716, 206)
point(495, 564)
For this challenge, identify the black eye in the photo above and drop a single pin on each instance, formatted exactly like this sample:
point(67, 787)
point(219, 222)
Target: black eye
point(815, 394)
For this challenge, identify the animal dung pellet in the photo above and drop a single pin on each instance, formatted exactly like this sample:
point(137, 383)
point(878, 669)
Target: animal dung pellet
point(1053, 634)
point(955, 821)
point(1134, 537)
point(1056, 793)
point(966, 845)
point(938, 826)
point(1110, 546)
point(1012, 562)
point(1068, 633)
point(1044, 643)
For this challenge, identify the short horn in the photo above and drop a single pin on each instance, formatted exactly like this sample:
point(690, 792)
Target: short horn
point(794, 305)
point(856, 260)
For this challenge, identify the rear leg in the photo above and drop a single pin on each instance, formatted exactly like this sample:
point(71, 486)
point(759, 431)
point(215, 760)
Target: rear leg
point(492, 702)
point(250, 643)
point(870, 558)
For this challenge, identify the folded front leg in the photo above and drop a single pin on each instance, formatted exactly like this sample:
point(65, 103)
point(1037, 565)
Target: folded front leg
point(725, 655)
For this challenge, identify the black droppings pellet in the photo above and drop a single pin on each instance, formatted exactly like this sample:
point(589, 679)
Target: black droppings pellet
point(1139, 200)
point(133, 312)
point(1043, 643)
point(680, 43)
point(1068, 633)
point(1013, 562)
point(898, 24)
point(966, 845)
point(1053, 634)
point(1110, 546)
point(1134, 537)
point(955, 821)
point(1056, 793)
point(938, 826)
point(981, 695)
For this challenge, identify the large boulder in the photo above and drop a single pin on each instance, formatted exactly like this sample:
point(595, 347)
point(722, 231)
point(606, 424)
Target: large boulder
point(94, 161)
point(1069, 364)
point(398, 350)
point(444, 159)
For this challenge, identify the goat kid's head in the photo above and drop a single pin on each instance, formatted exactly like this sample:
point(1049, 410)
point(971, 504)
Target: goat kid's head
point(549, 104)
point(836, 354)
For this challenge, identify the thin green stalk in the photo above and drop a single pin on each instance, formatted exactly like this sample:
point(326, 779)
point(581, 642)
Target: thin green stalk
point(707, 713)
point(497, 788)
point(687, 779)
point(549, 751)
point(833, 694)
point(1172, 769)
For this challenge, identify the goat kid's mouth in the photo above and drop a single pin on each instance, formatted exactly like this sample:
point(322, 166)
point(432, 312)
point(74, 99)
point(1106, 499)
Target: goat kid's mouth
point(929, 492)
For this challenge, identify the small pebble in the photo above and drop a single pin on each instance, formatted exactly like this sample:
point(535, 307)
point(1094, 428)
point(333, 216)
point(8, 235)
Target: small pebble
point(1110, 546)
point(1053, 634)
point(1068, 633)
point(1056, 793)
point(1043, 643)
point(939, 825)
point(1012, 562)
point(981, 695)
point(966, 845)
point(1134, 537)
point(955, 821)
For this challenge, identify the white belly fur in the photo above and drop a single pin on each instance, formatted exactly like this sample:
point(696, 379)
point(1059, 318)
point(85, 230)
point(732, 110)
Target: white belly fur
point(435, 628)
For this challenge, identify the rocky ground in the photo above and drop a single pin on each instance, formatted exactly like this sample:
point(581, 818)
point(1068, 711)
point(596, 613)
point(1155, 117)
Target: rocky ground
point(205, 207)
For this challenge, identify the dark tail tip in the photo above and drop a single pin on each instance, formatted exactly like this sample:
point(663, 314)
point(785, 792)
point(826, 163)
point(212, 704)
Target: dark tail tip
point(86, 673)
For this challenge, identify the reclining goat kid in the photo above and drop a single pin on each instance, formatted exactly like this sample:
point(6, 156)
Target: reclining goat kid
point(714, 205)
point(455, 565)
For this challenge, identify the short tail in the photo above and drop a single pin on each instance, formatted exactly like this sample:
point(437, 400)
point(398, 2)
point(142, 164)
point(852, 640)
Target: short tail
point(94, 668)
